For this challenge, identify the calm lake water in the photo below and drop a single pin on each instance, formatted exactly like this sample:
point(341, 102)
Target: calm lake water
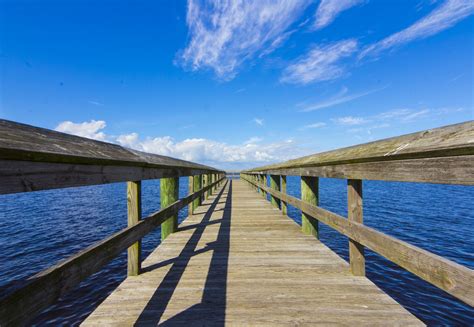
point(39, 229)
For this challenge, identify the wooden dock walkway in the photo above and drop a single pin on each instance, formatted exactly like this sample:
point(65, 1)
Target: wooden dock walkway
point(239, 261)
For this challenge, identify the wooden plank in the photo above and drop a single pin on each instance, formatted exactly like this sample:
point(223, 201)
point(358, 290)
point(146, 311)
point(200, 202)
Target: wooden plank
point(197, 180)
point(284, 207)
point(25, 176)
point(452, 140)
point(309, 194)
point(275, 184)
point(33, 159)
point(355, 214)
point(190, 190)
point(447, 275)
point(265, 182)
point(239, 262)
point(134, 214)
point(208, 181)
point(442, 170)
point(19, 303)
point(28, 143)
point(169, 193)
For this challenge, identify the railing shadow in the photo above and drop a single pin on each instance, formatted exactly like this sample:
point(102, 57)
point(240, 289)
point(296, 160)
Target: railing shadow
point(211, 310)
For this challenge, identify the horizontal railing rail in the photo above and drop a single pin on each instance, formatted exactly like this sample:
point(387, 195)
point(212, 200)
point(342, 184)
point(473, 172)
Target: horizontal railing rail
point(18, 304)
point(447, 275)
point(441, 155)
point(33, 159)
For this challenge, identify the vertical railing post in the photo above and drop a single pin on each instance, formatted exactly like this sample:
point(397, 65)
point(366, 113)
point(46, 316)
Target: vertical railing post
point(203, 184)
point(264, 176)
point(208, 181)
point(190, 191)
point(284, 206)
point(169, 193)
point(355, 214)
point(309, 194)
point(134, 210)
point(196, 187)
point(275, 185)
point(213, 179)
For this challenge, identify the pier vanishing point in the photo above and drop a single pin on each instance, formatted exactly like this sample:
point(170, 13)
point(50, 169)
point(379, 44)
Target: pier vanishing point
point(237, 259)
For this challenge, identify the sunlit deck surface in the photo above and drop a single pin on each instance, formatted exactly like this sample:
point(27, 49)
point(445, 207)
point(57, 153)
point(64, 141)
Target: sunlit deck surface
point(239, 261)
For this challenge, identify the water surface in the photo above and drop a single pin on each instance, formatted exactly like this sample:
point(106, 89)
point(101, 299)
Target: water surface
point(39, 229)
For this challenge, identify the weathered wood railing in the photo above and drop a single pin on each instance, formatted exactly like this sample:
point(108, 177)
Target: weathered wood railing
point(33, 159)
point(443, 155)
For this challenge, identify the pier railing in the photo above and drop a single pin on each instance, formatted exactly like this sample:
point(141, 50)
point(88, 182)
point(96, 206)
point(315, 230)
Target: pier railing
point(33, 159)
point(443, 155)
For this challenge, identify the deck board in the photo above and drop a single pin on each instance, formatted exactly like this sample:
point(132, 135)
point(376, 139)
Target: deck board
point(239, 261)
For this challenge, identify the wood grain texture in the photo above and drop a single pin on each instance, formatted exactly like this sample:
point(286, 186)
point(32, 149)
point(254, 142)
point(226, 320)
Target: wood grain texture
point(275, 184)
point(33, 159)
point(26, 176)
point(355, 214)
point(284, 207)
point(265, 182)
point(452, 140)
point(190, 190)
point(169, 193)
point(20, 302)
point(447, 275)
point(239, 262)
point(134, 215)
point(29, 143)
point(442, 170)
point(309, 194)
point(209, 180)
point(197, 184)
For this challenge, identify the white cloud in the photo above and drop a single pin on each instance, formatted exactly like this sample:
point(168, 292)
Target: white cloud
point(86, 129)
point(443, 17)
point(247, 154)
point(387, 118)
point(341, 97)
point(369, 129)
point(413, 116)
point(329, 9)
point(127, 140)
point(96, 103)
point(216, 153)
point(402, 115)
point(254, 139)
point(311, 126)
point(258, 121)
point(223, 34)
point(381, 120)
point(350, 120)
point(321, 63)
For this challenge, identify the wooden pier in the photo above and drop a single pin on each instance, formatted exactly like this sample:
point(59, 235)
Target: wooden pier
point(238, 259)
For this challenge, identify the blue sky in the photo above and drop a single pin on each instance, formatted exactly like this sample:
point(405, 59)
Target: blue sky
point(237, 84)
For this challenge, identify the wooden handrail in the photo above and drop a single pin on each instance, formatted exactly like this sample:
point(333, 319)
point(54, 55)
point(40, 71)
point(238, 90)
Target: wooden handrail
point(20, 303)
point(33, 159)
point(447, 275)
point(441, 155)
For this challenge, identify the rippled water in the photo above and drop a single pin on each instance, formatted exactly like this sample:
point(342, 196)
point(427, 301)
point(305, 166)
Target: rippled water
point(39, 229)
